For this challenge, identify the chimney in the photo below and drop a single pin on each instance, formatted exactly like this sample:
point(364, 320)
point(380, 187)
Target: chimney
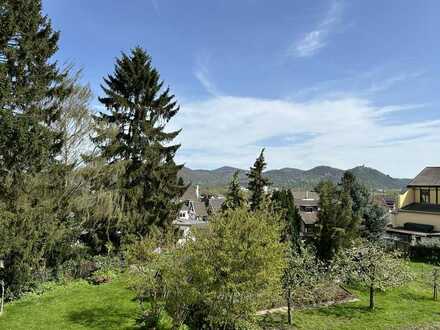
point(197, 192)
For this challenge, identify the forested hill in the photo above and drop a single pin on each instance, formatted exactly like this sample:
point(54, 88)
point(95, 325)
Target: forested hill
point(294, 178)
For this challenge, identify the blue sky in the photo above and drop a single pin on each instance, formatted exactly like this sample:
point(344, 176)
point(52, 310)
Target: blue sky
point(340, 83)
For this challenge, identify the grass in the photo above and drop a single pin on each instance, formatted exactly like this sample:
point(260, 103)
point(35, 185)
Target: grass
point(80, 305)
point(408, 307)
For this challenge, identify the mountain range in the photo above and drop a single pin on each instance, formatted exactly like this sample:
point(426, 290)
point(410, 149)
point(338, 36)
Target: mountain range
point(293, 177)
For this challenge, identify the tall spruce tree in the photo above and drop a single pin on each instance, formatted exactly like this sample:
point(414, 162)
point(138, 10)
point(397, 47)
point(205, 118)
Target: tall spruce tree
point(234, 196)
point(31, 87)
point(257, 182)
point(133, 133)
point(32, 207)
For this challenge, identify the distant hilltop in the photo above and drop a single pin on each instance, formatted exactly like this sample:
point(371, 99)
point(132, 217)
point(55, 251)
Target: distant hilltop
point(293, 177)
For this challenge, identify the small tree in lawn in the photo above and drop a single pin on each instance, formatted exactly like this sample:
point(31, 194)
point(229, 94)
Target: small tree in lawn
point(435, 281)
point(234, 196)
point(257, 182)
point(300, 276)
point(375, 268)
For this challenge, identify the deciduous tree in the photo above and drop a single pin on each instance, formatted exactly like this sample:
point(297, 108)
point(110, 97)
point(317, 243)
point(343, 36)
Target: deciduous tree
point(375, 268)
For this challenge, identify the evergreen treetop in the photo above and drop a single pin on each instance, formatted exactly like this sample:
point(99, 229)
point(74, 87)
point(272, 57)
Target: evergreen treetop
point(234, 196)
point(257, 182)
point(133, 132)
point(31, 87)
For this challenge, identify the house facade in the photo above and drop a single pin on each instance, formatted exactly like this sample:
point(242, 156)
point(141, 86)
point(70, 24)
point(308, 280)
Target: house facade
point(193, 211)
point(308, 206)
point(418, 206)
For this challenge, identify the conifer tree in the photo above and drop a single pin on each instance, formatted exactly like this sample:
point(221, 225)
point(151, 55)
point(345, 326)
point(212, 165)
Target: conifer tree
point(359, 194)
point(257, 182)
point(133, 133)
point(234, 197)
point(31, 87)
point(32, 189)
point(283, 202)
point(337, 223)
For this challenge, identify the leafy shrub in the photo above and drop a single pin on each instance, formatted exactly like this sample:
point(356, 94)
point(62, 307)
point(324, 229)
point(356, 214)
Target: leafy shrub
point(427, 251)
point(215, 280)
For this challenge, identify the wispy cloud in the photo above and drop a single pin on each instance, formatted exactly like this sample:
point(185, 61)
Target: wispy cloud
point(385, 84)
point(311, 42)
point(362, 84)
point(201, 72)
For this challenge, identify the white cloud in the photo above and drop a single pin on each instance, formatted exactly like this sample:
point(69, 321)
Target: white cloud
point(311, 42)
point(346, 132)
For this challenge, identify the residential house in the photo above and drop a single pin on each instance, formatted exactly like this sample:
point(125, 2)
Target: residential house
point(193, 211)
point(418, 209)
point(215, 204)
point(308, 205)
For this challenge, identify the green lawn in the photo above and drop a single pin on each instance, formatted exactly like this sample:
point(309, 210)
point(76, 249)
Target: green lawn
point(409, 307)
point(111, 306)
point(76, 306)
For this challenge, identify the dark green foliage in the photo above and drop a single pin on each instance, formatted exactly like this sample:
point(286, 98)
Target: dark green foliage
point(376, 218)
point(257, 182)
point(31, 88)
point(34, 192)
point(234, 196)
point(284, 203)
point(359, 194)
point(132, 134)
point(338, 225)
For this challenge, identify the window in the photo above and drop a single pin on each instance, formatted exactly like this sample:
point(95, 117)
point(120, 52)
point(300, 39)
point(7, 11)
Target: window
point(424, 196)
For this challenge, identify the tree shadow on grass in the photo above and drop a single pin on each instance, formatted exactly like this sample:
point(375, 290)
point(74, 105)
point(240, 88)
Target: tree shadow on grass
point(415, 296)
point(101, 318)
point(274, 321)
point(344, 311)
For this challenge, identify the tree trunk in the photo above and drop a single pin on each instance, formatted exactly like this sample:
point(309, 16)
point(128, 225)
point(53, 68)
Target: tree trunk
point(435, 291)
point(3, 297)
point(289, 304)
point(371, 297)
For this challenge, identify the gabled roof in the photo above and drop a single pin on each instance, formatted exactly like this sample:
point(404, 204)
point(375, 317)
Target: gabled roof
point(430, 176)
point(200, 209)
point(190, 194)
point(216, 203)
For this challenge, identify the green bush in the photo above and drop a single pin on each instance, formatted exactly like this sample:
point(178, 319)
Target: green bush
point(426, 251)
point(215, 280)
